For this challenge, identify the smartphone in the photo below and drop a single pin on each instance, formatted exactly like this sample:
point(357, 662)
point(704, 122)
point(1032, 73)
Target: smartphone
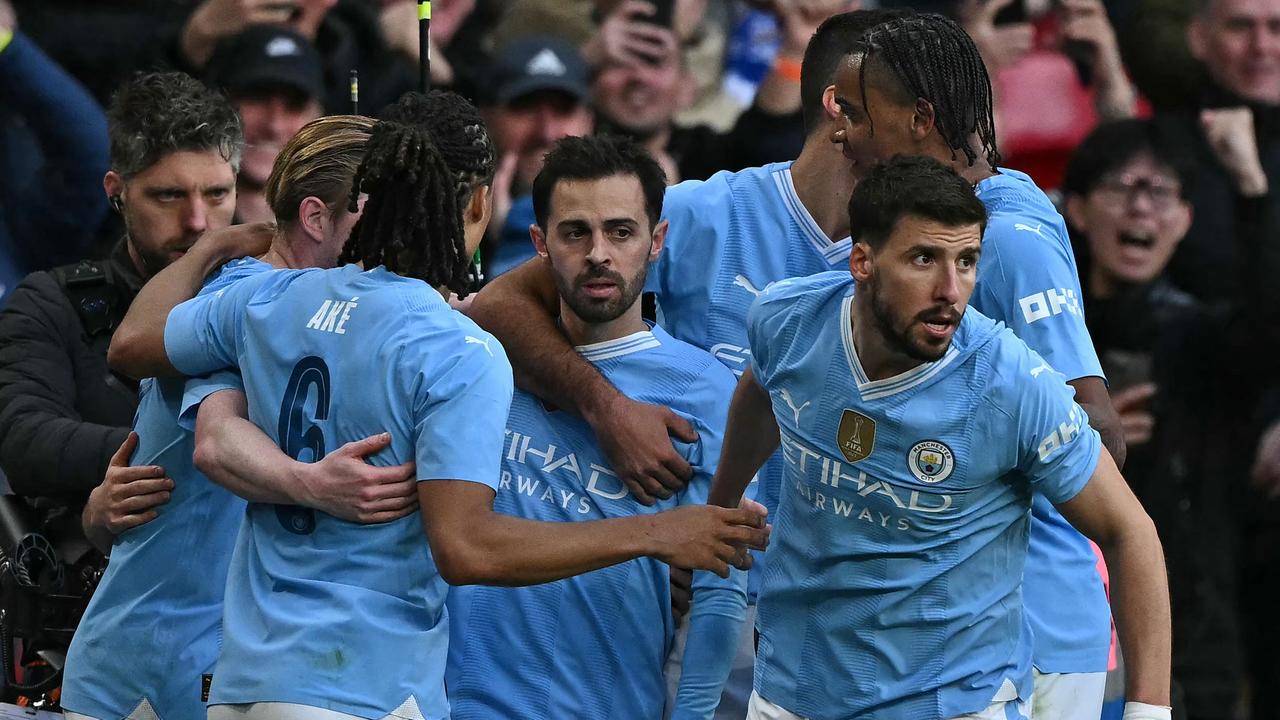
point(664, 13)
point(1015, 12)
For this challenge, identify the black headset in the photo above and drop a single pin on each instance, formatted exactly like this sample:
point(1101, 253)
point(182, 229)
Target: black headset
point(117, 202)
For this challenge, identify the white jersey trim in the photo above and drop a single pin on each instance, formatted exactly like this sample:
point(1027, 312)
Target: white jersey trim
point(633, 343)
point(876, 389)
point(833, 252)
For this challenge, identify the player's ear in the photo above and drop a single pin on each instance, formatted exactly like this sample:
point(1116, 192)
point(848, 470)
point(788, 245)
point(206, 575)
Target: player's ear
point(539, 239)
point(860, 262)
point(313, 217)
point(659, 240)
point(923, 119)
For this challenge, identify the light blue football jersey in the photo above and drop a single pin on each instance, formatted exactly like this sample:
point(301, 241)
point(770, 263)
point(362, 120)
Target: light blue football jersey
point(892, 584)
point(320, 611)
point(1027, 278)
point(729, 237)
point(152, 630)
point(593, 646)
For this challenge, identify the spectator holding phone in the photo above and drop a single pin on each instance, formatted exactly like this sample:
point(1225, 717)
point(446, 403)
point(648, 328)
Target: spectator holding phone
point(1165, 353)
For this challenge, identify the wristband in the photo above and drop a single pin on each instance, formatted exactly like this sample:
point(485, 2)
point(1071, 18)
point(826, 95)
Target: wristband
point(1143, 711)
point(6, 36)
point(787, 68)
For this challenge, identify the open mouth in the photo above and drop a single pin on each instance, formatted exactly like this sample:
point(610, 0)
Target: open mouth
point(1138, 240)
point(598, 288)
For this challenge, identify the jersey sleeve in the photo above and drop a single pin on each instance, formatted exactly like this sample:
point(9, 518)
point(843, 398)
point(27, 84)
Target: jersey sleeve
point(199, 388)
point(1028, 279)
point(719, 604)
point(202, 334)
point(1057, 449)
point(460, 412)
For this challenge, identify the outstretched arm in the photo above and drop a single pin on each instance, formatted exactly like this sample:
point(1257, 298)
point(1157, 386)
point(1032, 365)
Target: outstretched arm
point(137, 347)
point(473, 545)
point(1108, 513)
point(520, 308)
point(236, 454)
point(750, 437)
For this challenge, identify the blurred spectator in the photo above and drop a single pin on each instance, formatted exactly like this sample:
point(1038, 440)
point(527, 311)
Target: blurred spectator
point(275, 80)
point(174, 149)
point(347, 34)
point(53, 152)
point(1169, 361)
point(539, 89)
point(1236, 123)
point(399, 20)
point(640, 96)
point(1062, 55)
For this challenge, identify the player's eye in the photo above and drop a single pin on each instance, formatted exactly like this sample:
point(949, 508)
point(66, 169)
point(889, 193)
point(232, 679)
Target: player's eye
point(622, 233)
point(165, 196)
point(922, 259)
point(218, 194)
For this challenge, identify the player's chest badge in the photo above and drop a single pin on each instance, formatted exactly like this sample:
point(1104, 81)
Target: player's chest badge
point(856, 435)
point(931, 461)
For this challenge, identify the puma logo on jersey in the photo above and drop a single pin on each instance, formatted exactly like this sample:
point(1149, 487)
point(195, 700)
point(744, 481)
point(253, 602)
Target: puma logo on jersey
point(1035, 371)
point(786, 398)
point(742, 282)
point(1027, 228)
point(333, 316)
point(477, 341)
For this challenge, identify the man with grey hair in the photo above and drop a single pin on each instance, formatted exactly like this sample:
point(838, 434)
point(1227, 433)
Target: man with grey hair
point(175, 147)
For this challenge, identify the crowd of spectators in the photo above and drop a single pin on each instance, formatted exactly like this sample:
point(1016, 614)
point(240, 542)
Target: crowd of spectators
point(1155, 122)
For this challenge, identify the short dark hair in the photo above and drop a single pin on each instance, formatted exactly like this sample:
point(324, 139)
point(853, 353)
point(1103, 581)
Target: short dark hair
point(931, 57)
point(916, 186)
point(831, 42)
point(593, 158)
point(155, 114)
point(1113, 145)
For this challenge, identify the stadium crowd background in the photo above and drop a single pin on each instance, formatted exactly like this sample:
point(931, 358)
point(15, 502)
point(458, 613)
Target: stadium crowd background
point(1157, 123)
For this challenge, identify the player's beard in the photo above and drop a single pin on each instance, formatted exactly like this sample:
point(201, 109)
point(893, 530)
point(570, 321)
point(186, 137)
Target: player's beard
point(596, 311)
point(900, 341)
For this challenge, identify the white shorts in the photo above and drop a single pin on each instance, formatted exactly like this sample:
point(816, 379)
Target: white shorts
point(1068, 696)
point(143, 711)
point(761, 709)
point(294, 711)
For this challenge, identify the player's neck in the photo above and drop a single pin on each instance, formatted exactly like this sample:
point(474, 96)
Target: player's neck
point(875, 353)
point(581, 332)
point(824, 182)
point(287, 251)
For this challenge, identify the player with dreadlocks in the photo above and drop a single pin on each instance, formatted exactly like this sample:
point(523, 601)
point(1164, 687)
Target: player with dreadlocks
point(917, 86)
point(324, 618)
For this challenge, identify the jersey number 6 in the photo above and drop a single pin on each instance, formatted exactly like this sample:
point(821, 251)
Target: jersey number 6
point(298, 434)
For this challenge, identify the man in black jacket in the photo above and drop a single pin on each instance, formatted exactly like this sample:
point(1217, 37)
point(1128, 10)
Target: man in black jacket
point(175, 147)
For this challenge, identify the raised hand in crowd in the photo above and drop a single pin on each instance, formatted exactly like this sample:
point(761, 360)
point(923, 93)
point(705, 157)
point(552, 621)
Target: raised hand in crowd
point(1000, 45)
point(1231, 135)
point(1085, 23)
point(217, 19)
point(8, 19)
point(779, 93)
point(1136, 420)
point(624, 37)
point(128, 497)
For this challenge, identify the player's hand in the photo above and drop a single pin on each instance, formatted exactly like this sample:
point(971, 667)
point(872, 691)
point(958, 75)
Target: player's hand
point(625, 39)
point(342, 484)
point(1136, 419)
point(636, 438)
point(681, 592)
point(999, 45)
point(236, 241)
point(128, 496)
point(1265, 474)
point(708, 537)
point(1229, 132)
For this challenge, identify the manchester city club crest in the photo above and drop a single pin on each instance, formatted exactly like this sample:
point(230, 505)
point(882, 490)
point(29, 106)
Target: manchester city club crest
point(931, 461)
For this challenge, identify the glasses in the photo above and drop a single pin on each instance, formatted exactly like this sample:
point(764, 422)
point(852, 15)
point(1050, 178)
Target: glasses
point(1163, 193)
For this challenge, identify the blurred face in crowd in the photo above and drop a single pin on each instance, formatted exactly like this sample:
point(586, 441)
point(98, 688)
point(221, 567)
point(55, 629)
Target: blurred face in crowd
point(270, 117)
point(641, 98)
point(919, 282)
point(873, 129)
point(1134, 219)
point(529, 125)
point(1239, 41)
point(598, 244)
point(167, 206)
